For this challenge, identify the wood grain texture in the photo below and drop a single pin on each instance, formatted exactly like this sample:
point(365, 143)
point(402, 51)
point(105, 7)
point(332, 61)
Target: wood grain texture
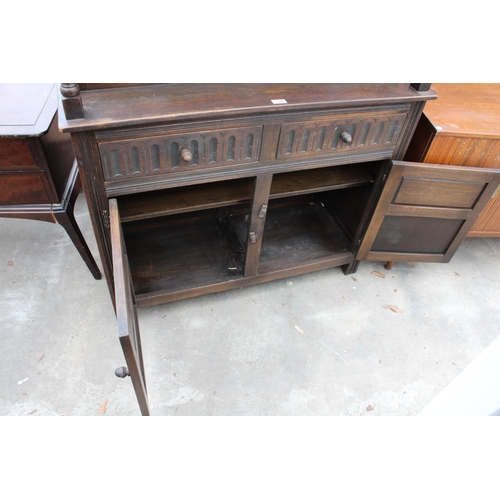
point(487, 224)
point(467, 151)
point(185, 199)
point(299, 231)
point(128, 106)
point(325, 137)
point(438, 193)
point(317, 180)
point(162, 154)
point(257, 220)
point(232, 192)
point(15, 154)
point(181, 252)
point(466, 109)
point(462, 127)
point(126, 311)
point(415, 222)
point(24, 187)
point(164, 296)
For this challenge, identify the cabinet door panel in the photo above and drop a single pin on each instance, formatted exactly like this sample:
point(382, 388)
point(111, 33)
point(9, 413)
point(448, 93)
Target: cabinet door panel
point(404, 234)
point(126, 310)
point(425, 211)
point(438, 193)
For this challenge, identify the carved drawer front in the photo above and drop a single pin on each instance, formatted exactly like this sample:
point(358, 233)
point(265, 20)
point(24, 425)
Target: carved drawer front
point(340, 135)
point(180, 152)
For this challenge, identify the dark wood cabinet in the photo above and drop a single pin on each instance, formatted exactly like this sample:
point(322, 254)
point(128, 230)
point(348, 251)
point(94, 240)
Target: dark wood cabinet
point(38, 172)
point(200, 188)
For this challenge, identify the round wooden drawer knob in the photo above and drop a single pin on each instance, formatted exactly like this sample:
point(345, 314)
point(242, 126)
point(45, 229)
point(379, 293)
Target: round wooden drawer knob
point(122, 372)
point(186, 155)
point(347, 138)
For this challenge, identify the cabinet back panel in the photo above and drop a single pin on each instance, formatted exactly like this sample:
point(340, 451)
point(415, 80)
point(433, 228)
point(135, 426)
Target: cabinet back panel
point(299, 232)
point(179, 253)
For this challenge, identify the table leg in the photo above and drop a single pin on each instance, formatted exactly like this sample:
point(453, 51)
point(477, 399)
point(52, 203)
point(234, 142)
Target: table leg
point(67, 220)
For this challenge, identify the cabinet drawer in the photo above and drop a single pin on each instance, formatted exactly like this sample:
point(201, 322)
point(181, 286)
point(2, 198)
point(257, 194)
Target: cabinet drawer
point(24, 188)
point(179, 152)
point(15, 154)
point(342, 135)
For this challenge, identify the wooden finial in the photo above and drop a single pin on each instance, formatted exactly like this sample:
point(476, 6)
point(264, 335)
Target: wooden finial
point(70, 89)
point(71, 101)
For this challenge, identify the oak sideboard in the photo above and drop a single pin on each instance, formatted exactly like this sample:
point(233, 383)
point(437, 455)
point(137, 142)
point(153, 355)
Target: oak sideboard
point(199, 188)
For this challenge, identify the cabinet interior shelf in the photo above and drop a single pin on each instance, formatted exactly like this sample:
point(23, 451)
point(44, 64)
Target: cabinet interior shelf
point(186, 255)
point(226, 193)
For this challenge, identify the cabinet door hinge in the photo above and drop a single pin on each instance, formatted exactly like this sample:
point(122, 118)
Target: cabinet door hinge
point(105, 218)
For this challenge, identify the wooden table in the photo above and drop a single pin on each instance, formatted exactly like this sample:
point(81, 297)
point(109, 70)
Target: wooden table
point(462, 127)
point(38, 173)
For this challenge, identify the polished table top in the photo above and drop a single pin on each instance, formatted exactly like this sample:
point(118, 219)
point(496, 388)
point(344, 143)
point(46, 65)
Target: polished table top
point(26, 109)
point(466, 109)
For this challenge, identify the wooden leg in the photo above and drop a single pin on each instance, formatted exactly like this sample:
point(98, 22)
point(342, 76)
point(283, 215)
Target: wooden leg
point(68, 222)
point(388, 265)
point(63, 214)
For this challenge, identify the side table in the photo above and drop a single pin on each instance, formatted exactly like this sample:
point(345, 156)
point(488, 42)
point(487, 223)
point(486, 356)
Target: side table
point(39, 176)
point(462, 127)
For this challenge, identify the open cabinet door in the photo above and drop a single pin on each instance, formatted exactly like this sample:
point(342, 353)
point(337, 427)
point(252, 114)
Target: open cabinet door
point(425, 212)
point(126, 310)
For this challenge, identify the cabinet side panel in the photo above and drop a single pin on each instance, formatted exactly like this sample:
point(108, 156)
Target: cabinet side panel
point(97, 202)
point(15, 154)
point(421, 141)
point(60, 156)
point(409, 128)
point(465, 151)
point(488, 223)
point(472, 152)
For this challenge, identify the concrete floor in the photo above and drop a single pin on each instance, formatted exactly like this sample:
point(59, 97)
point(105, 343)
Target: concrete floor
point(318, 344)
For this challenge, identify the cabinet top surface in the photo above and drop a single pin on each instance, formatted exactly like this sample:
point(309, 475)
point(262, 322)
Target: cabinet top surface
point(471, 109)
point(26, 109)
point(130, 106)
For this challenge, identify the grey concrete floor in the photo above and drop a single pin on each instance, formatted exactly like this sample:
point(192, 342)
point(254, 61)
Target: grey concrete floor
point(318, 344)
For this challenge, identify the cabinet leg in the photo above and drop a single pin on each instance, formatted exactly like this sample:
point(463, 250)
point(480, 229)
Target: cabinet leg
point(67, 220)
point(388, 265)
